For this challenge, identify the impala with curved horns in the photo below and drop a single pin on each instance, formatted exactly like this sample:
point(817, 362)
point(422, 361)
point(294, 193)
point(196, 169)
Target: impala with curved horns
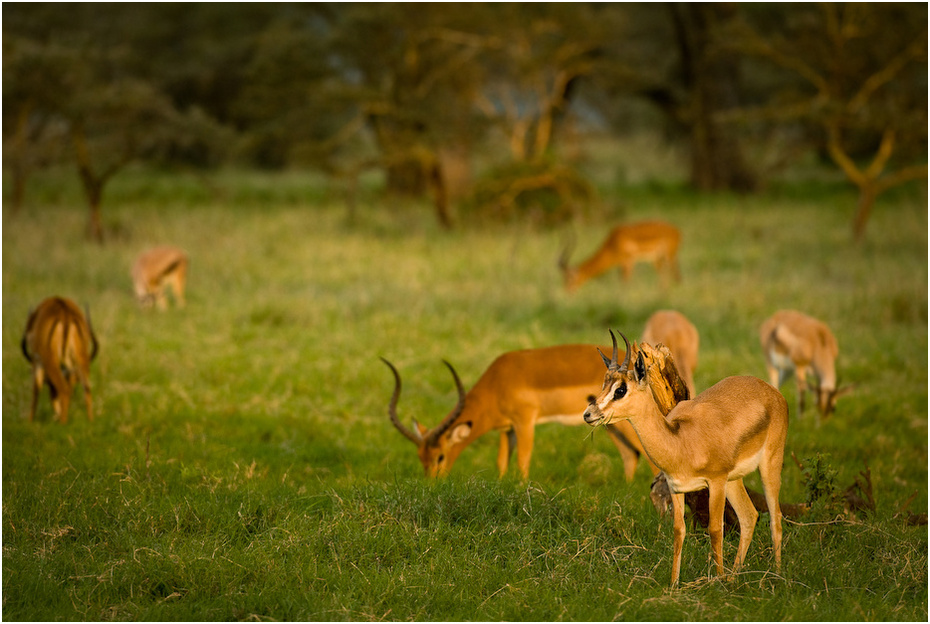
point(731, 429)
point(519, 390)
point(796, 342)
point(646, 241)
point(60, 344)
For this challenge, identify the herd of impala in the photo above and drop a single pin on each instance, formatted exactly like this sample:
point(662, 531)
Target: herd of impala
point(708, 440)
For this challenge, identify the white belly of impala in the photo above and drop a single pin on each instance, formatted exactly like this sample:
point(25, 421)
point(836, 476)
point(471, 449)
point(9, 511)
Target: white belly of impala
point(780, 361)
point(563, 419)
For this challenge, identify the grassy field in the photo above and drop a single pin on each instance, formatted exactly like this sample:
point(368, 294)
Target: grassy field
point(241, 465)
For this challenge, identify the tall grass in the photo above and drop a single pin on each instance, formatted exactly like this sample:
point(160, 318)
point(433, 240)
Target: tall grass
point(241, 464)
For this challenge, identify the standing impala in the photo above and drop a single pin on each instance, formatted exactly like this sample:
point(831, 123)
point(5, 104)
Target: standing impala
point(60, 344)
point(646, 241)
point(793, 341)
point(713, 441)
point(155, 271)
point(675, 331)
point(520, 390)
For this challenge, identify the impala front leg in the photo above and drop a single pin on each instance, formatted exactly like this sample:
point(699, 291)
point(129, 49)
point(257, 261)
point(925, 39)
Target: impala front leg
point(678, 534)
point(525, 436)
point(508, 444)
point(717, 503)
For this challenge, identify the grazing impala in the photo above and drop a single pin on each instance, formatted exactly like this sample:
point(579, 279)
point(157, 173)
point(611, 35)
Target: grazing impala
point(155, 271)
point(646, 241)
point(793, 341)
point(520, 390)
point(713, 441)
point(60, 343)
point(675, 331)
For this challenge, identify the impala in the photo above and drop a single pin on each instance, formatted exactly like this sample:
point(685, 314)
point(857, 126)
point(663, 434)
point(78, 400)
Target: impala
point(711, 441)
point(518, 391)
point(793, 341)
point(157, 270)
point(646, 241)
point(60, 344)
point(675, 331)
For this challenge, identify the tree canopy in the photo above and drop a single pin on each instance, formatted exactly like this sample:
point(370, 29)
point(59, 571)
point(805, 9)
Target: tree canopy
point(420, 90)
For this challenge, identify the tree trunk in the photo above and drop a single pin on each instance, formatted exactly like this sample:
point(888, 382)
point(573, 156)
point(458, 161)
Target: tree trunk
point(712, 79)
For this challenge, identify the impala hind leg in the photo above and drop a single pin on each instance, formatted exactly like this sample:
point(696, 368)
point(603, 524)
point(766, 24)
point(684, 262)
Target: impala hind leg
point(770, 469)
point(747, 515)
point(38, 380)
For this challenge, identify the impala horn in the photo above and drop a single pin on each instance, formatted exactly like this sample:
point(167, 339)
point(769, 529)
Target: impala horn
point(392, 409)
point(442, 427)
point(611, 364)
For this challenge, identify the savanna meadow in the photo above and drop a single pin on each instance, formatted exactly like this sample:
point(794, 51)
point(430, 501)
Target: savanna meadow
point(241, 464)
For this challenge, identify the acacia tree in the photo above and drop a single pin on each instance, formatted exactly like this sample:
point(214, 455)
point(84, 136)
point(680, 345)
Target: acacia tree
point(79, 82)
point(862, 71)
point(28, 123)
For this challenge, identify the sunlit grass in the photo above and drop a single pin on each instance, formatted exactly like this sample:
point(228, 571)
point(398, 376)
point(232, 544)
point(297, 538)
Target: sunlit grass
point(242, 466)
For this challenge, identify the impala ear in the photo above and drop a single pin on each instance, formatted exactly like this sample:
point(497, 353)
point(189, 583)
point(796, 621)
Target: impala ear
point(639, 369)
point(460, 433)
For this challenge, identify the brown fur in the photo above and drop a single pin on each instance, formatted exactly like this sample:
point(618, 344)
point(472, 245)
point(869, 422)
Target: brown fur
point(60, 344)
point(714, 440)
point(158, 270)
point(518, 389)
point(646, 241)
point(675, 331)
point(792, 340)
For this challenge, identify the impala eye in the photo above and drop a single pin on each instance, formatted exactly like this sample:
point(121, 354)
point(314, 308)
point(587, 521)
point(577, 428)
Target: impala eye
point(440, 459)
point(620, 392)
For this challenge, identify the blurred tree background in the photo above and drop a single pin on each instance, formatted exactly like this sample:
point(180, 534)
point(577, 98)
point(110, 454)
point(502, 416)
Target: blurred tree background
point(480, 107)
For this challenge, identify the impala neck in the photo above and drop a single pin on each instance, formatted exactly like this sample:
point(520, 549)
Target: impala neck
point(658, 437)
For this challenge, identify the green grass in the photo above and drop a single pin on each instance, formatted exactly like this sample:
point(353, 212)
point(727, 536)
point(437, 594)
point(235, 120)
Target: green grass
point(242, 466)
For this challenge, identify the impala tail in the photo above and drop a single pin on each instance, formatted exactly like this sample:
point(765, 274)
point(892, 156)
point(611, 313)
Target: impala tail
point(60, 343)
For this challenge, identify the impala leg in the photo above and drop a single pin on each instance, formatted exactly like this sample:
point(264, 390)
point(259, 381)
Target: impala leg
point(179, 279)
point(770, 470)
point(678, 534)
point(62, 403)
point(525, 437)
point(508, 443)
point(800, 374)
point(38, 380)
point(747, 514)
point(717, 503)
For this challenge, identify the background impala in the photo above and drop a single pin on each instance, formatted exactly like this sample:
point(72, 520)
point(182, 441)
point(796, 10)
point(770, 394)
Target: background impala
point(60, 344)
point(646, 241)
point(155, 272)
point(518, 391)
point(795, 342)
point(675, 331)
